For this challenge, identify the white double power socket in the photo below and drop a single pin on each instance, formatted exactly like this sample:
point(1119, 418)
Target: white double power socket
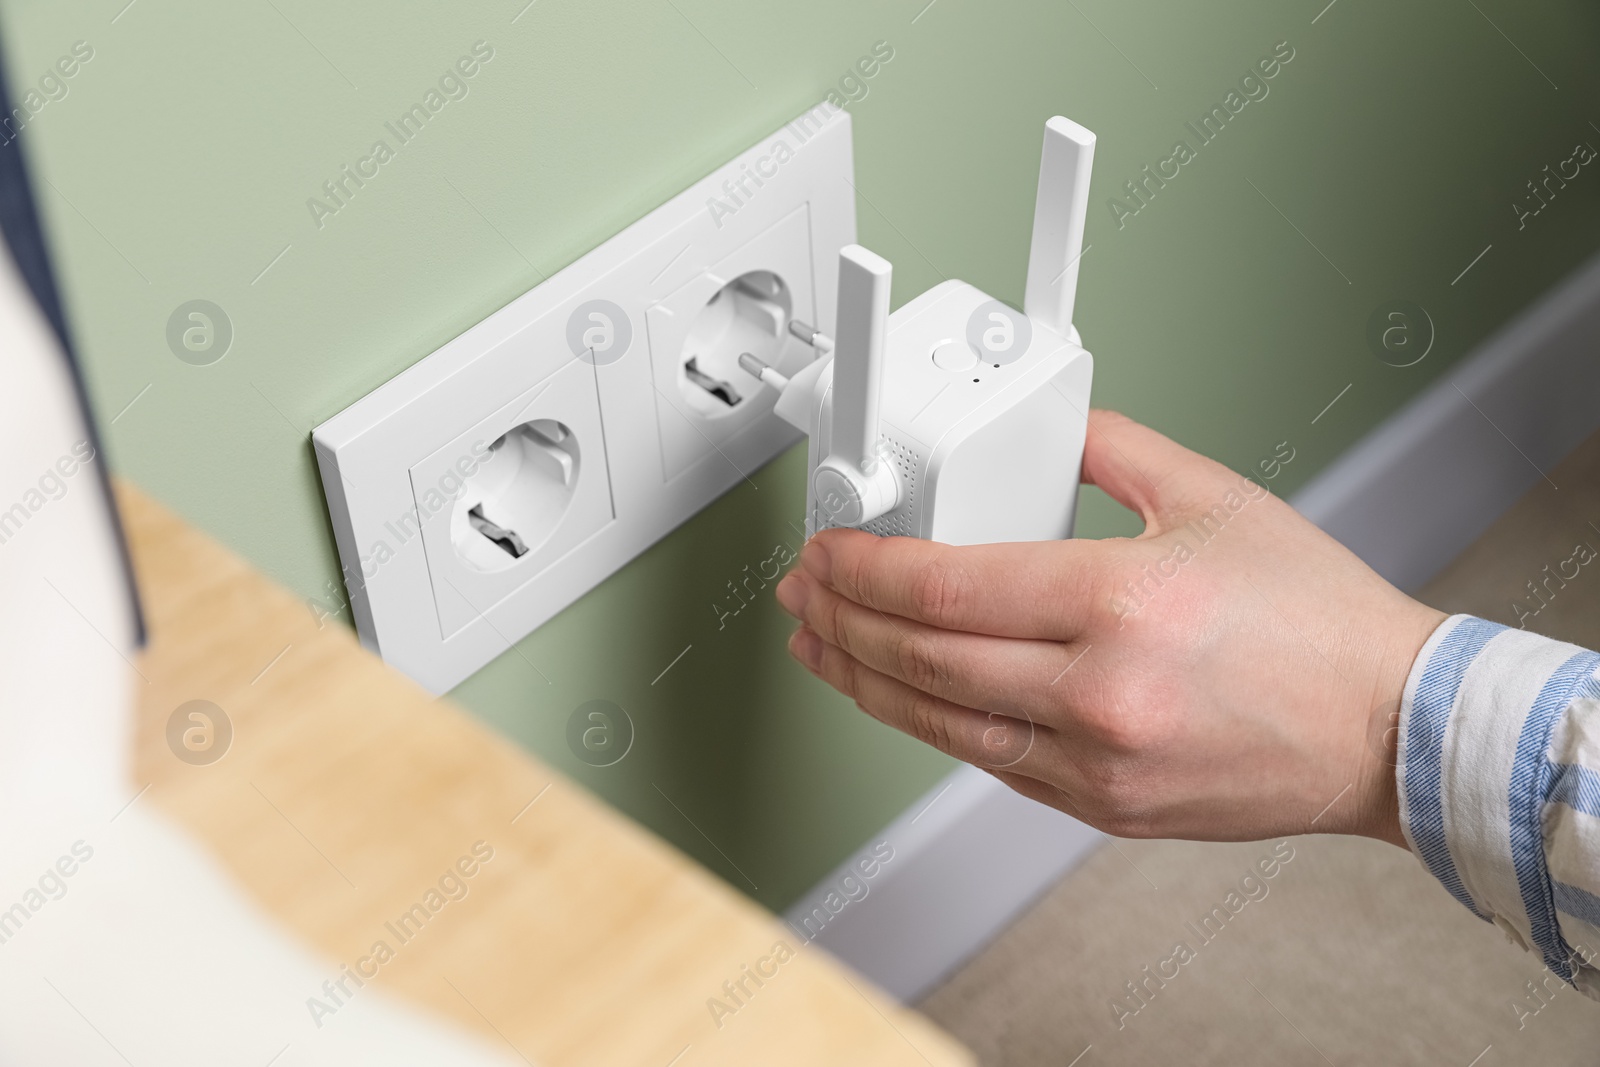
point(494, 482)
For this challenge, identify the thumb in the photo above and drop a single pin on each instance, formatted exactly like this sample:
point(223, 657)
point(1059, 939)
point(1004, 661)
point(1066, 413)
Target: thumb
point(1145, 471)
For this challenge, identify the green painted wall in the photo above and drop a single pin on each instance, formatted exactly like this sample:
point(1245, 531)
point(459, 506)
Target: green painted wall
point(1229, 311)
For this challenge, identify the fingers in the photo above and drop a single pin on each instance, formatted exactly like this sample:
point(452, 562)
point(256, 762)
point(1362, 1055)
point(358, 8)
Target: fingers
point(997, 674)
point(1038, 589)
point(1143, 470)
point(986, 739)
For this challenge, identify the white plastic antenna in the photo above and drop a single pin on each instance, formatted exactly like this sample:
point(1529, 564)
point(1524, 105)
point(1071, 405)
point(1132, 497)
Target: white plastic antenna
point(864, 279)
point(1058, 218)
point(851, 485)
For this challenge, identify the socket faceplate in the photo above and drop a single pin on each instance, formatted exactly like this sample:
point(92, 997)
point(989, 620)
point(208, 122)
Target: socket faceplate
point(597, 352)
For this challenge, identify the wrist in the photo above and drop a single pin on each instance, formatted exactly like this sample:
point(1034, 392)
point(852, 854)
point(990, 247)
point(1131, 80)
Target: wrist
point(1379, 816)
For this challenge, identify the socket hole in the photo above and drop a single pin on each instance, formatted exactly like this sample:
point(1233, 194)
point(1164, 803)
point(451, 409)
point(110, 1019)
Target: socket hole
point(516, 497)
point(749, 314)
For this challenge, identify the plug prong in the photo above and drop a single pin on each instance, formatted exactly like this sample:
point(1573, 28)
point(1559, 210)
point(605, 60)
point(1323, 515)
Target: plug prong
point(757, 369)
point(811, 336)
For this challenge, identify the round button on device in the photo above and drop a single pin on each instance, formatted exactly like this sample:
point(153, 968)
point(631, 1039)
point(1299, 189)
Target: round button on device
point(956, 356)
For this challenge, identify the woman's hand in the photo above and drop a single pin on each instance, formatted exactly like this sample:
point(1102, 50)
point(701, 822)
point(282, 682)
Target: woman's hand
point(1232, 673)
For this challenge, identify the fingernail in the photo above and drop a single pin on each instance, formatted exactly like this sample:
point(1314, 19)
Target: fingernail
point(815, 559)
point(792, 593)
point(806, 647)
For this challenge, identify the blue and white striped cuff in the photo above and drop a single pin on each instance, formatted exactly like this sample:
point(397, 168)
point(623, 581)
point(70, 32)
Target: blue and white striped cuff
point(1480, 785)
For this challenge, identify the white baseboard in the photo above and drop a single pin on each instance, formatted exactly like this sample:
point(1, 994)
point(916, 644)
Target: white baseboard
point(970, 855)
point(966, 858)
point(1415, 492)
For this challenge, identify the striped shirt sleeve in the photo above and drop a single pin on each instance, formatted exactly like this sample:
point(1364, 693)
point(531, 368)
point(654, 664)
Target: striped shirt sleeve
point(1499, 776)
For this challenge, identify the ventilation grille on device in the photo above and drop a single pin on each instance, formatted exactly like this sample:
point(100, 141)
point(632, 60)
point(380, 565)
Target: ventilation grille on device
point(902, 521)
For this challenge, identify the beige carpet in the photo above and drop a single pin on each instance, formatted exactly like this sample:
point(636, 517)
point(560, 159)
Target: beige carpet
point(1354, 955)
